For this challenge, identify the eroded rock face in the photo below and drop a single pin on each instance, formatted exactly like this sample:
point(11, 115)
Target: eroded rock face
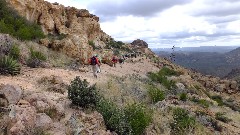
point(71, 27)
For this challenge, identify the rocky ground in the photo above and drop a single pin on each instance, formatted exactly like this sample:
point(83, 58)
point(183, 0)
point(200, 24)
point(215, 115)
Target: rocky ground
point(38, 97)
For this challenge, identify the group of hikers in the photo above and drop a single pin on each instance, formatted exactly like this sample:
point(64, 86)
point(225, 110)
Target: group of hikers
point(95, 62)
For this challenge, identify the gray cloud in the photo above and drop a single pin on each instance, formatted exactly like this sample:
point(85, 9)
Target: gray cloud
point(143, 8)
point(219, 8)
point(218, 20)
point(186, 34)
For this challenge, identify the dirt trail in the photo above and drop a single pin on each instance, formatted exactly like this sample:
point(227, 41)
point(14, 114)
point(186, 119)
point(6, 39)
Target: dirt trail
point(29, 76)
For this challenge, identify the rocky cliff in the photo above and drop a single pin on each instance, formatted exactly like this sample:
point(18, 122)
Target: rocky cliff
point(68, 29)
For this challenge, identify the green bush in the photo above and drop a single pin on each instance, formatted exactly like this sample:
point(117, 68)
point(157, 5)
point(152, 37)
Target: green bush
point(36, 58)
point(168, 72)
point(158, 77)
point(15, 52)
point(155, 94)
point(81, 94)
point(218, 99)
point(114, 117)
point(204, 103)
point(220, 116)
point(139, 117)
point(15, 25)
point(182, 122)
point(183, 96)
point(9, 66)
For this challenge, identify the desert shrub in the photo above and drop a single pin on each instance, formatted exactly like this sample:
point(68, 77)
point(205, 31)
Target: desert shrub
point(139, 117)
point(15, 52)
point(15, 25)
point(218, 99)
point(182, 122)
point(35, 58)
point(51, 112)
point(81, 94)
point(204, 103)
point(114, 117)
point(220, 116)
point(183, 96)
point(9, 66)
point(156, 77)
point(155, 94)
point(114, 44)
point(168, 72)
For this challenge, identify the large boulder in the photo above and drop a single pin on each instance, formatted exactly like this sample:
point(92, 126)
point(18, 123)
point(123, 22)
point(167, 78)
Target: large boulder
point(12, 93)
point(22, 120)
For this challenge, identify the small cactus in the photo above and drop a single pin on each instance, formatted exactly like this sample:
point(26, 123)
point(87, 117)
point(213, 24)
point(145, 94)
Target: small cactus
point(9, 66)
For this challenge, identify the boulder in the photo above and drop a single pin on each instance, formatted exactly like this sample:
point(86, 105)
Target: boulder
point(43, 121)
point(23, 120)
point(12, 93)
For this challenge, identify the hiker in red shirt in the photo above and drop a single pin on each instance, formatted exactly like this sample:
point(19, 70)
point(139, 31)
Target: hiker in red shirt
point(114, 60)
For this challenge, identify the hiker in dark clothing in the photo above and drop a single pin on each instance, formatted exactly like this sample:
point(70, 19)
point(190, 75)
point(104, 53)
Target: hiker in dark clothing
point(121, 61)
point(95, 65)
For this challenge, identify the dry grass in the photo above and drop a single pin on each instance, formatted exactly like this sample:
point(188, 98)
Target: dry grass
point(124, 90)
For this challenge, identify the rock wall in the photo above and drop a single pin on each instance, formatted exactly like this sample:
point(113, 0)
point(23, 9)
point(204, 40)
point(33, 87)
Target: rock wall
point(71, 28)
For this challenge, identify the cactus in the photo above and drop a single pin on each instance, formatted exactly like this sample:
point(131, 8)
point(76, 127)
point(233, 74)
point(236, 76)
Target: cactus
point(9, 66)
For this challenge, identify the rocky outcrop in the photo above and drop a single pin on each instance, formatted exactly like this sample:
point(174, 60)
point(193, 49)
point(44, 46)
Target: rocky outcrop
point(71, 28)
point(139, 43)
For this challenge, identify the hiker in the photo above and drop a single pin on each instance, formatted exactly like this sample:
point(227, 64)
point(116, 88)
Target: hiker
point(95, 65)
point(121, 61)
point(100, 62)
point(114, 60)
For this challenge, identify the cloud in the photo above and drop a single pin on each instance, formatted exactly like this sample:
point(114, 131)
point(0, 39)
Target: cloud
point(143, 8)
point(218, 8)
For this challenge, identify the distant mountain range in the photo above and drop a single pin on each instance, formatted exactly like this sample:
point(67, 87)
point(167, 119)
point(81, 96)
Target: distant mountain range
point(218, 62)
point(219, 49)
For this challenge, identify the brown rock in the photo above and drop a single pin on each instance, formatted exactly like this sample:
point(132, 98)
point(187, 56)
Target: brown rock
point(12, 93)
point(43, 121)
point(23, 119)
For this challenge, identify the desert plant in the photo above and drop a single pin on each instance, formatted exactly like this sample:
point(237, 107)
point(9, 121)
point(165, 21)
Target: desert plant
point(35, 58)
point(204, 103)
point(168, 72)
point(9, 66)
point(37, 55)
point(218, 99)
point(15, 52)
point(139, 117)
point(82, 94)
point(183, 96)
point(114, 117)
point(161, 78)
point(12, 23)
point(155, 94)
point(182, 122)
point(220, 116)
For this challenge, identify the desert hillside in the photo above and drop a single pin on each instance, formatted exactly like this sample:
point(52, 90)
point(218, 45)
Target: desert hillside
point(47, 86)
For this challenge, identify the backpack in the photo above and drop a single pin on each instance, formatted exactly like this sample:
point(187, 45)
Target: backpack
point(93, 61)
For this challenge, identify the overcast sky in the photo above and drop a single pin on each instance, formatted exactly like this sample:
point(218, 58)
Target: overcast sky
point(164, 23)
